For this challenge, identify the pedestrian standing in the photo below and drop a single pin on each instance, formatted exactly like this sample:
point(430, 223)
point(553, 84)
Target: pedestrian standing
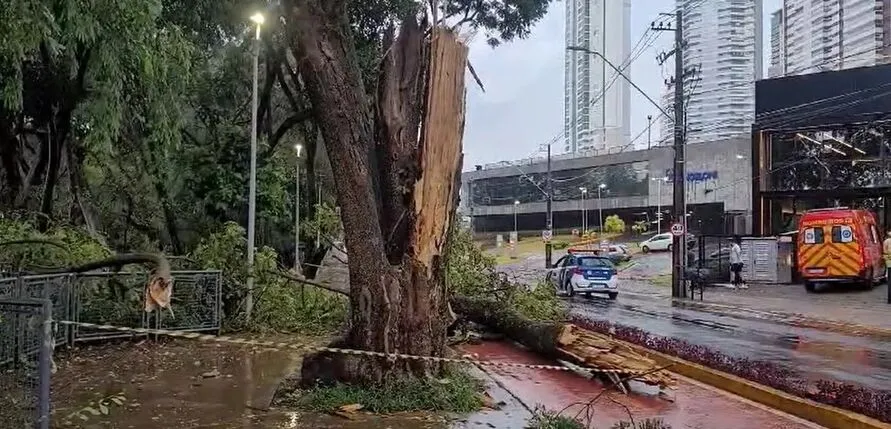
point(886, 249)
point(736, 264)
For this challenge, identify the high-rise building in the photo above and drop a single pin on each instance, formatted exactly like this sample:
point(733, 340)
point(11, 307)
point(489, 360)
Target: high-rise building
point(723, 58)
point(826, 35)
point(777, 44)
point(597, 102)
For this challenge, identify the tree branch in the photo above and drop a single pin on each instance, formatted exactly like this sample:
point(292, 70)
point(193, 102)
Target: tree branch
point(286, 88)
point(286, 126)
point(342, 291)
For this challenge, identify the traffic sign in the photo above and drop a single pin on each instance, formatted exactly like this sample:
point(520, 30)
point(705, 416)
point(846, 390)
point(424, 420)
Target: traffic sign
point(677, 229)
point(546, 235)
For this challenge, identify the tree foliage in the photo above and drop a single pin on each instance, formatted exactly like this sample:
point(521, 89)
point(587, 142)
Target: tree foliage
point(124, 126)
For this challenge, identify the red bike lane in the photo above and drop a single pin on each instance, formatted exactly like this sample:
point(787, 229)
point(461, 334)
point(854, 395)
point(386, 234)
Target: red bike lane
point(689, 405)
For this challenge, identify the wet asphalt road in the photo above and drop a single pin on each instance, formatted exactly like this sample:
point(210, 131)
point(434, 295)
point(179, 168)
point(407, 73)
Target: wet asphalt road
point(816, 353)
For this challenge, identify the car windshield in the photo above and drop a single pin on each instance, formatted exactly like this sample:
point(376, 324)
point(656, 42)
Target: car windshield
point(594, 261)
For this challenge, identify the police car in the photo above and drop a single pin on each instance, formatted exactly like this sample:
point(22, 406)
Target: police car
point(585, 273)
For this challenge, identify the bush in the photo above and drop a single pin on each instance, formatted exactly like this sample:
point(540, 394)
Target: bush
point(560, 244)
point(279, 304)
point(77, 246)
point(614, 224)
point(870, 402)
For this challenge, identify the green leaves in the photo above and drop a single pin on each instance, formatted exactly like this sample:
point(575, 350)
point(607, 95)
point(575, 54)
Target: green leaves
point(501, 20)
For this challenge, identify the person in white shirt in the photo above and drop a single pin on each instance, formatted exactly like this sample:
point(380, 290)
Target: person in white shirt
point(736, 264)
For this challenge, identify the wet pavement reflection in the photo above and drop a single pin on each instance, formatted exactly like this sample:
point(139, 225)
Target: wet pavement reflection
point(818, 354)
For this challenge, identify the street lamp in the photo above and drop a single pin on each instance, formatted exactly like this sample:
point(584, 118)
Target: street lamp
point(659, 181)
point(258, 19)
point(584, 210)
point(299, 148)
point(600, 205)
point(516, 235)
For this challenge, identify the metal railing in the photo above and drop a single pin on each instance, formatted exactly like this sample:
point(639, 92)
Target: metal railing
point(118, 299)
point(29, 304)
point(26, 348)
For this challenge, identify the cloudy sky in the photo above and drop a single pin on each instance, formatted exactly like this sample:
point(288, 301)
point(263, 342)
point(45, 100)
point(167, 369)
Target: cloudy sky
point(522, 107)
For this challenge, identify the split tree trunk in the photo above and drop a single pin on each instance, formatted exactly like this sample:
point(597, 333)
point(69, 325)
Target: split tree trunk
point(562, 340)
point(396, 194)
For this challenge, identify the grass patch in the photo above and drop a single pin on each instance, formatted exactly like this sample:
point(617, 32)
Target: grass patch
point(456, 392)
point(662, 280)
point(544, 419)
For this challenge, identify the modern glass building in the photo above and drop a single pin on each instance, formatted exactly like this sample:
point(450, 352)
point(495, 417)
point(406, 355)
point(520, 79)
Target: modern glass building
point(723, 49)
point(597, 102)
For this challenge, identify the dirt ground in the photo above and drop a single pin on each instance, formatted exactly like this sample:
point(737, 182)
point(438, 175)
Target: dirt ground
point(168, 384)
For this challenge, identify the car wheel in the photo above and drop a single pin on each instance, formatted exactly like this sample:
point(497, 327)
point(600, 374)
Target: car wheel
point(810, 286)
point(613, 295)
point(588, 295)
point(869, 282)
point(668, 248)
point(645, 249)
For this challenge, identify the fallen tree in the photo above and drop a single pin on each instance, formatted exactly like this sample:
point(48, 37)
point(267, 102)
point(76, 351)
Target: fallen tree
point(561, 340)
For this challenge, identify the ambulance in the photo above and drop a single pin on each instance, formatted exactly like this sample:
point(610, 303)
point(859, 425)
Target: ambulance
point(839, 245)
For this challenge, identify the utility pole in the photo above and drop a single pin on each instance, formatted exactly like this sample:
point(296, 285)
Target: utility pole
point(679, 243)
point(649, 126)
point(550, 221)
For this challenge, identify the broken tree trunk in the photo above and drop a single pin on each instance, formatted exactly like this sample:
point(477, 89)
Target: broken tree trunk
point(397, 292)
point(561, 341)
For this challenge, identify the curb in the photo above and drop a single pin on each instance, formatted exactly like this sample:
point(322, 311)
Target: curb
point(824, 415)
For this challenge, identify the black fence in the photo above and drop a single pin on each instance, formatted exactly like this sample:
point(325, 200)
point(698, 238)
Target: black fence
point(26, 348)
point(30, 304)
point(711, 257)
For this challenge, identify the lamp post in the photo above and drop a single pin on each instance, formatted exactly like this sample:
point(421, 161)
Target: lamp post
point(516, 235)
point(659, 181)
point(600, 204)
point(584, 210)
point(258, 19)
point(297, 267)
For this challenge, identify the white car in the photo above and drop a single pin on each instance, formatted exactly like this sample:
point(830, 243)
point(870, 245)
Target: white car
point(663, 242)
point(585, 274)
point(656, 242)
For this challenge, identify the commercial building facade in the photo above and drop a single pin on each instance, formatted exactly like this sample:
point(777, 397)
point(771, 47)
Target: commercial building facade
point(821, 140)
point(636, 185)
point(597, 102)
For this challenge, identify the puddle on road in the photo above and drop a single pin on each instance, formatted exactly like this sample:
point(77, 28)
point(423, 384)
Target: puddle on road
point(187, 384)
point(172, 384)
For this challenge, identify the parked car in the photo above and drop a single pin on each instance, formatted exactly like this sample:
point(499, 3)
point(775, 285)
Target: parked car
point(618, 253)
point(663, 242)
point(656, 242)
point(586, 274)
point(715, 266)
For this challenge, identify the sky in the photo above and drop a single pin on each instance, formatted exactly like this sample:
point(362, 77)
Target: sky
point(522, 106)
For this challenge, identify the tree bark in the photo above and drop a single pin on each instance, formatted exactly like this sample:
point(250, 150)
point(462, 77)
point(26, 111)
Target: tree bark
point(561, 340)
point(9, 159)
point(397, 301)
